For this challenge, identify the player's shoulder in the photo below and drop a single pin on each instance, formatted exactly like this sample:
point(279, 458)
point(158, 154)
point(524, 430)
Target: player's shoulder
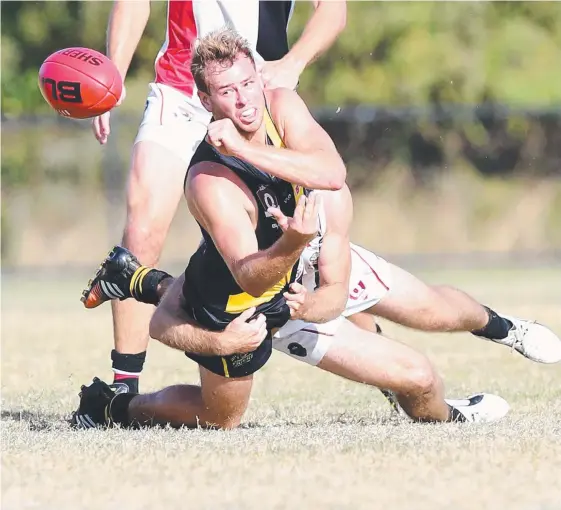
point(278, 98)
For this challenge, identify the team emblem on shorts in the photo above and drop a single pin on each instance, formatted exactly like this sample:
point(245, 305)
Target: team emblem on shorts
point(358, 291)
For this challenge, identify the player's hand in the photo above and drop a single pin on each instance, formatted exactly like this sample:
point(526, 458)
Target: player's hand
point(296, 299)
point(223, 135)
point(280, 73)
point(242, 334)
point(100, 124)
point(303, 226)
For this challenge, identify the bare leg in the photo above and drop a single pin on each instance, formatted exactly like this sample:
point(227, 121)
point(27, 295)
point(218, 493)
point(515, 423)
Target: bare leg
point(217, 402)
point(375, 360)
point(366, 321)
point(414, 304)
point(154, 189)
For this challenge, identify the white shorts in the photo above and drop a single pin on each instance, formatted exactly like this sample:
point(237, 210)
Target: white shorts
point(369, 283)
point(370, 280)
point(306, 341)
point(173, 120)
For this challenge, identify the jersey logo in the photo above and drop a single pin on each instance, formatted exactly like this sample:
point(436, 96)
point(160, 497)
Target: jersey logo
point(267, 198)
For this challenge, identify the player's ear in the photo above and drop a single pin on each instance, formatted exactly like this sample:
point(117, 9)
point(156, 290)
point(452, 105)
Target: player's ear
point(205, 100)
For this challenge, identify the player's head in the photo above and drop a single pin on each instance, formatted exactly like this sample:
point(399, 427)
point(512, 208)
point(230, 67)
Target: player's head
point(224, 71)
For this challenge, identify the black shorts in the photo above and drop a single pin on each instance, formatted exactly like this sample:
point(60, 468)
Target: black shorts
point(237, 365)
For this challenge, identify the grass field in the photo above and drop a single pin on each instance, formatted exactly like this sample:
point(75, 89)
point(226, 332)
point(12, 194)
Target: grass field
point(309, 439)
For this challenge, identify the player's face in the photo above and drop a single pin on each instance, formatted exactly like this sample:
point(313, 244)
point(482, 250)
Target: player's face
point(236, 93)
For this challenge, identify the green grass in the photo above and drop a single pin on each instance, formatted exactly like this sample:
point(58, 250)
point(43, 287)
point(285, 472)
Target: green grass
point(309, 439)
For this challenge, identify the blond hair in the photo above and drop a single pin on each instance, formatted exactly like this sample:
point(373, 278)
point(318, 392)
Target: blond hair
point(220, 47)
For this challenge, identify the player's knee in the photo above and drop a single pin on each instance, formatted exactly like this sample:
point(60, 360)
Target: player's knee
point(222, 421)
point(420, 379)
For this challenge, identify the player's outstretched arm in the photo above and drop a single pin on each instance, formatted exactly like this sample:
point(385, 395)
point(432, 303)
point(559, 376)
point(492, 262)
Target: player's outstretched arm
point(328, 301)
point(217, 200)
point(324, 26)
point(126, 26)
point(322, 29)
point(310, 157)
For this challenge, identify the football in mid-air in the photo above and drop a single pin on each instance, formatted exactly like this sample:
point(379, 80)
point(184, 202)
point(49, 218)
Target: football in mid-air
point(80, 82)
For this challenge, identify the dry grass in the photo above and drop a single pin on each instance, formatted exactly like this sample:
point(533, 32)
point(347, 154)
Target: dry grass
point(310, 440)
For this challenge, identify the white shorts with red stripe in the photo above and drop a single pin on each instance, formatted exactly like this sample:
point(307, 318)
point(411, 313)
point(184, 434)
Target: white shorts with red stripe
point(369, 283)
point(173, 120)
point(370, 280)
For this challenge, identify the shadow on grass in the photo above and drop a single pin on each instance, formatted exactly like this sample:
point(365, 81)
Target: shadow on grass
point(37, 420)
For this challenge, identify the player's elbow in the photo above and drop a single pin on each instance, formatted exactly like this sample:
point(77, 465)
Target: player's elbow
point(338, 178)
point(254, 289)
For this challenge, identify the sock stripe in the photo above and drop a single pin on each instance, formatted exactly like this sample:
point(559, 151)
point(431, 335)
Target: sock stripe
point(124, 374)
point(136, 280)
point(134, 277)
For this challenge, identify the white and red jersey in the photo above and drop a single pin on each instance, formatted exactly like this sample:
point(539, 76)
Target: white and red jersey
point(263, 24)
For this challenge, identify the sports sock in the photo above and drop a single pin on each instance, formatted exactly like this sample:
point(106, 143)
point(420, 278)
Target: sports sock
point(145, 282)
point(127, 368)
point(496, 329)
point(119, 407)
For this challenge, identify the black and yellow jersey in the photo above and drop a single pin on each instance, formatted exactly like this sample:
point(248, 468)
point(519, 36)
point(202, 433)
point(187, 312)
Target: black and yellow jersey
point(212, 293)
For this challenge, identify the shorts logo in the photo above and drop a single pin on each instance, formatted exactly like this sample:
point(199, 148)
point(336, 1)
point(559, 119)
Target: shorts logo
point(297, 350)
point(358, 291)
point(238, 360)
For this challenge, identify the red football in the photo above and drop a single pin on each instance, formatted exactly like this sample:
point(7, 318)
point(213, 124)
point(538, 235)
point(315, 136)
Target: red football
point(80, 82)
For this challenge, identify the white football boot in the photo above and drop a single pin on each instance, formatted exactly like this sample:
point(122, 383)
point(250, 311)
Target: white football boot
point(531, 339)
point(480, 408)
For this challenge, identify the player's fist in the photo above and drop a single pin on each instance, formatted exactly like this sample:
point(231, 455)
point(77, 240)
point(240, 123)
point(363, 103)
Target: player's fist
point(296, 300)
point(223, 135)
point(243, 334)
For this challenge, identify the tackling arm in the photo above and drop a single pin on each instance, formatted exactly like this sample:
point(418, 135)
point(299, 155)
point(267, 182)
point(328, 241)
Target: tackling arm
point(328, 301)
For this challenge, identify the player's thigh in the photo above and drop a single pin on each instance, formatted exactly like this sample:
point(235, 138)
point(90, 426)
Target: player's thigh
point(409, 301)
point(165, 143)
point(225, 400)
point(371, 358)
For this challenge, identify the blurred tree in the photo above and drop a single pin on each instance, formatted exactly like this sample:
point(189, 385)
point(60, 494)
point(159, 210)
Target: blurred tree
point(392, 53)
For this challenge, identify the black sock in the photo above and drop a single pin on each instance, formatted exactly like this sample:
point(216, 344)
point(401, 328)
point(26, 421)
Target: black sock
point(127, 368)
point(119, 409)
point(145, 282)
point(496, 329)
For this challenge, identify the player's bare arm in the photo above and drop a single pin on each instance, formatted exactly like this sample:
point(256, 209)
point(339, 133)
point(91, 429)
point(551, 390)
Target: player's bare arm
point(173, 327)
point(127, 22)
point(220, 202)
point(126, 26)
point(328, 301)
point(324, 26)
point(310, 157)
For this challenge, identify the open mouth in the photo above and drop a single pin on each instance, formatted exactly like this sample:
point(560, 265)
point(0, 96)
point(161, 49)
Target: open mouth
point(248, 115)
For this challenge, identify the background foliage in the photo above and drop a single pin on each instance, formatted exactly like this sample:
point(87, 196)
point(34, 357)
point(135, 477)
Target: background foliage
point(413, 93)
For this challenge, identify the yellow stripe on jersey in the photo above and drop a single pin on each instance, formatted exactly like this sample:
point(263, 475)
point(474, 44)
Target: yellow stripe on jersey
point(275, 137)
point(237, 303)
